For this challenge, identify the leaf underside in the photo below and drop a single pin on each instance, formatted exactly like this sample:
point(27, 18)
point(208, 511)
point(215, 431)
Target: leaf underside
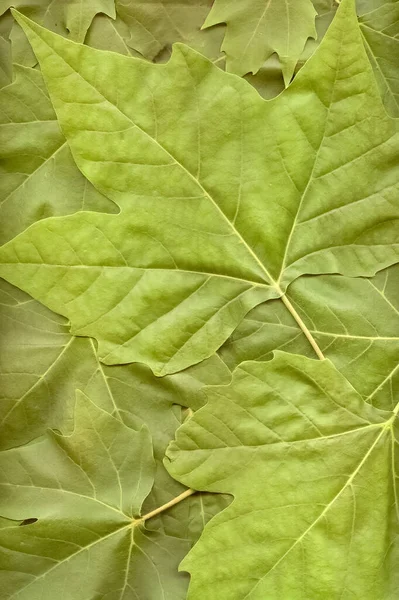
point(196, 244)
point(313, 472)
point(244, 228)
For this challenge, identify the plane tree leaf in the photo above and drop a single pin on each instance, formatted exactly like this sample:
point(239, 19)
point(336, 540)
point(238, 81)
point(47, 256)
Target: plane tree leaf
point(86, 491)
point(199, 241)
point(38, 175)
point(41, 366)
point(384, 52)
point(312, 470)
point(70, 18)
point(110, 34)
point(379, 15)
point(256, 29)
point(152, 27)
point(6, 22)
point(354, 321)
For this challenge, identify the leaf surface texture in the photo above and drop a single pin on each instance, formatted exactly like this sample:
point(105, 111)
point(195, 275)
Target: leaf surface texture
point(201, 206)
point(313, 471)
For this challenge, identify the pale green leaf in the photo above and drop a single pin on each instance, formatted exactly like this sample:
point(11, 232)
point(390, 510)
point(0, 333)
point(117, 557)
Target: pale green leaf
point(380, 15)
point(258, 28)
point(384, 56)
point(70, 18)
point(313, 472)
point(354, 321)
point(41, 365)
point(110, 34)
point(215, 219)
point(79, 14)
point(152, 27)
point(38, 175)
point(6, 22)
point(86, 491)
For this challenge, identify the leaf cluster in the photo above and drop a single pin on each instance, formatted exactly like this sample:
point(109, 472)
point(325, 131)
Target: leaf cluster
point(200, 308)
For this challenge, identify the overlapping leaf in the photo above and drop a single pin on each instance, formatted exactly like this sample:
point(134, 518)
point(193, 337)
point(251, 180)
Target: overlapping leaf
point(152, 27)
point(354, 321)
point(86, 491)
point(215, 219)
point(42, 365)
point(256, 29)
point(384, 52)
point(70, 18)
point(38, 175)
point(313, 470)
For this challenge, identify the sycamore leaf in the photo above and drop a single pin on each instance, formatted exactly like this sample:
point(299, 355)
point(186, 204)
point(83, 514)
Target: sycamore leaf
point(6, 22)
point(215, 218)
point(380, 15)
point(38, 175)
point(152, 27)
point(70, 18)
point(86, 492)
point(312, 470)
point(384, 52)
point(258, 28)
point(42, 365)
point(79, 14)
point(110, 34)
point(355, 322)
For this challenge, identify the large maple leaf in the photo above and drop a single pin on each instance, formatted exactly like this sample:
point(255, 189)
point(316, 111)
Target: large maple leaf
point(255, 30)
point(313, 470)
point(226, 199)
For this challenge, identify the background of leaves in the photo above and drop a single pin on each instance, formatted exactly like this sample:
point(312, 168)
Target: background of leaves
point(50, 363)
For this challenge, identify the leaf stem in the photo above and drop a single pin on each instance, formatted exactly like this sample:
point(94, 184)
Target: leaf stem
point(302, 325)
point(164, 507)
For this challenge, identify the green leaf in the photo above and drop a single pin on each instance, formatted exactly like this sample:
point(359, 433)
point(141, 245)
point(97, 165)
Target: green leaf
point(255, 30)
point(6, 22)
point(67, 17)
point(110, 34)
point(380, 15)
point(355, 322)
point(41, 367)
point(86, 491)
point(79, 15)
point(384, 51)
point(312, 470)
point(210, 226)
point(70, 18)
point(152, 27)
point(38, 175)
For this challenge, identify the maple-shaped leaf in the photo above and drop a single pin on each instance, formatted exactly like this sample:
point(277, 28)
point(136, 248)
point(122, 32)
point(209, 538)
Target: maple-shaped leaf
point(152, 27)
point(70, 18)
point(38, 175)
point(6, 22)
point(312, 470)
point(81, 497)
point(255, 30)
point(384, 51)
point(42, 364)
point(226, 198)
point(355, 323)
